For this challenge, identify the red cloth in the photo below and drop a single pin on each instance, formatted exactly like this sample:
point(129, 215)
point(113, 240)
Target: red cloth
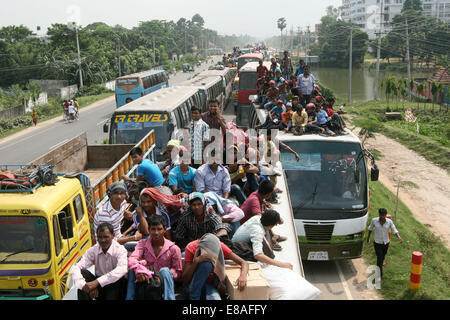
point(158, 196)
point(330, 111)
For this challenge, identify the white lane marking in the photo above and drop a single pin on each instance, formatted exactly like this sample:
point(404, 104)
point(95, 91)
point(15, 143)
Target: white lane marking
point(57, 145)
point(344, 282)
point(102, 122)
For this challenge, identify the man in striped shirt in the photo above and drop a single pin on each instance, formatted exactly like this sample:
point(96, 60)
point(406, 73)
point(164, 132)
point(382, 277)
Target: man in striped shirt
point(199, 131)
point(114, 211)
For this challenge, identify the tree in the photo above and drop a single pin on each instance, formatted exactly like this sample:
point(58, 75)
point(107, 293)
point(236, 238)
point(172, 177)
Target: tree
point(281, 25)
point(15, 33)
point(198, 20)
point(415, 5)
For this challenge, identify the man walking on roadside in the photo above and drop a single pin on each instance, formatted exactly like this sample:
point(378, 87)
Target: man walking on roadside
point(381, 225)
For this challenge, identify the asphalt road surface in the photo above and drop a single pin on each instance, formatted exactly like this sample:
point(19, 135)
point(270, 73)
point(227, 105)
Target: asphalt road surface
point(31, 144)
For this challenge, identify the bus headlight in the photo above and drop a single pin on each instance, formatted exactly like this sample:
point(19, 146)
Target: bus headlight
point(358, 235)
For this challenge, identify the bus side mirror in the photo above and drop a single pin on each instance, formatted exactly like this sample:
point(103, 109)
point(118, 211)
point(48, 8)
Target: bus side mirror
point(105, 128)
point(65, 225)
point(374, 173)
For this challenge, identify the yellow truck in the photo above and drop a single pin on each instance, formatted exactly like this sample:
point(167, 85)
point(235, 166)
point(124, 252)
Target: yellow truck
point(45, 219)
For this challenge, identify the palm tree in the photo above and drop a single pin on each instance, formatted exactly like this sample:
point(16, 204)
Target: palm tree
point(419, 92)
point(281, 25)
point(434, 91)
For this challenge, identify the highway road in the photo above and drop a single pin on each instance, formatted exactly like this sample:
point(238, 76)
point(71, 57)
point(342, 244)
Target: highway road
point(32, 143)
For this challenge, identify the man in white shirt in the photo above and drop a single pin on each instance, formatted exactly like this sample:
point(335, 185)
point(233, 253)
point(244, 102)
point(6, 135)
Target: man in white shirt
point(381, 225)
point(111, 265)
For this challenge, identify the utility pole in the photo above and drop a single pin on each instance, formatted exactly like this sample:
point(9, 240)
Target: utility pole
point(379, 51)
point(154, 51)
point(118, 57)
point(79, 57)
point(408, 59)
point(307, 48)
point(350, 67)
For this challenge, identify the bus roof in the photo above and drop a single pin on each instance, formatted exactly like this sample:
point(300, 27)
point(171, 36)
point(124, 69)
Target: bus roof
point(46, 199)
point(165, 99)
point(141, 74)
point(214, 72)
point(257, 55)
point(251, 66)
point(201, 81)
point(349, 137)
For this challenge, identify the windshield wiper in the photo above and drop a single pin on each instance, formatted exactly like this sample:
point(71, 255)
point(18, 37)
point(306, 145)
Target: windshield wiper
point(312, 197)
point(17, 252)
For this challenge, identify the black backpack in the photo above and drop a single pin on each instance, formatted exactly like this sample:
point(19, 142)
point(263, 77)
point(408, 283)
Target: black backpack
point(150, 291)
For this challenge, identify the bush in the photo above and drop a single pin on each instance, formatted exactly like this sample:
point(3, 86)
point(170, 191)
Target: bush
point(92, 90)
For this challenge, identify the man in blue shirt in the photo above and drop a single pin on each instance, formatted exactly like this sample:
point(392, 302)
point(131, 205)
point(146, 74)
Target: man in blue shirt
point(182, 176)
point(300, 69)
point(147, 170)
point(323, 120)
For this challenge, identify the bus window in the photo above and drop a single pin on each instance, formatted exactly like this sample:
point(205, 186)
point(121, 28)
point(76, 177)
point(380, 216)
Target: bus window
point(185, 114)
point(64, 218)
point(178, 118)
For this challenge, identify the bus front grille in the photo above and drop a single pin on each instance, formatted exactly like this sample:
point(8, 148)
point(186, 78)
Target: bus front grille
point(316, 232)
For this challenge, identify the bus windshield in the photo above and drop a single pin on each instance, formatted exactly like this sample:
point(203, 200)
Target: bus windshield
point(132, 128)
point(247, 80)
point(24, 240)
point(329, 176)
point(243, 61)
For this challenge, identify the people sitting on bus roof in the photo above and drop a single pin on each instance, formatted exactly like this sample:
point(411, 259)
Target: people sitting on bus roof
point(114, 210)
point(312, 125)
point(299, 121)
point(160, 254)
point(336, 119)
point(182, 176)
point(154, 202)
point(323, 120)
point(255, 233)
point(109, 259)
point(172, 159)
point(272, 96)
point(286, 118)
point(199, 218)
point(274, 117)
point(147, 170)
point(213, 176)
point(256, 203)
point(204, 269)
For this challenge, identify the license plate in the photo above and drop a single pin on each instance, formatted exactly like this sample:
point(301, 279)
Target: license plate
point(319, 255)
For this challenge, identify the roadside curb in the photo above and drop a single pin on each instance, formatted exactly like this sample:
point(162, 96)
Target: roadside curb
point(46, 123)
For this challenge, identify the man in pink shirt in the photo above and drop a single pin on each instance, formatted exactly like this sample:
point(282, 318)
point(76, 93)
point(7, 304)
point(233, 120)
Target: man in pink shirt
point(110, 261)
point(257, 200)
point(157, 252)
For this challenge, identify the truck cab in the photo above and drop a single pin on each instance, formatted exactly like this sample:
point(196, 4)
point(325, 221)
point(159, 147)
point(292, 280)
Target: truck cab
point(44, 231)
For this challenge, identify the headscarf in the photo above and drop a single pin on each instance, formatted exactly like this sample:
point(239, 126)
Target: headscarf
point(207, 207)
point(162, 198)
point(175, 143)
point(210, 246)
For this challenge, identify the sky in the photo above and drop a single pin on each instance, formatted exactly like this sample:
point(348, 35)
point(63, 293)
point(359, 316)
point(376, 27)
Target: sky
point(257, 18)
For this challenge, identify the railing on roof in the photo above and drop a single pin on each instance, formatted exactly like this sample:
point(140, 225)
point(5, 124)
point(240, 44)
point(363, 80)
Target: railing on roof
point(123, 166)
point(31, 177)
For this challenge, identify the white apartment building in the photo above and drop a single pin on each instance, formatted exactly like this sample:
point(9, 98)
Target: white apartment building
point(369, 13)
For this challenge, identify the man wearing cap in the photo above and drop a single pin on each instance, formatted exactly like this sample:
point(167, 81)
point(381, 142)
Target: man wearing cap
point(114, 210)
point(312, 125)
point(272, 94)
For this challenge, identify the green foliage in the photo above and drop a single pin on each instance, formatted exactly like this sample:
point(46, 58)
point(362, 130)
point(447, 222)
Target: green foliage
point(94, 89)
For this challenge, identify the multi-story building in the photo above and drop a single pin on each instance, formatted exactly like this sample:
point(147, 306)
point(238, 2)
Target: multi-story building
point(369, 14)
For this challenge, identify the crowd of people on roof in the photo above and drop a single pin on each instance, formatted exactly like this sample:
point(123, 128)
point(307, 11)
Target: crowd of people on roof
point(293, 100)
point(179, 220)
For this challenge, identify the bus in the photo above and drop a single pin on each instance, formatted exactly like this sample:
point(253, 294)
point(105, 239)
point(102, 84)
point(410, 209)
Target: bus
point(227, 79)
point(248, 77)
point(328, 190)
point(249, 57)
point(210, 87)
point(167, 111)
point(132, 87)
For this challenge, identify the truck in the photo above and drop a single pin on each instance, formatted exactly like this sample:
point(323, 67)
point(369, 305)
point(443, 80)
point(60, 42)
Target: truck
point(46, 213)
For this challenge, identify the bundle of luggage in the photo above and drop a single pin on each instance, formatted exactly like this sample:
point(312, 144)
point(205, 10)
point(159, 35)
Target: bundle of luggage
point(26, 177)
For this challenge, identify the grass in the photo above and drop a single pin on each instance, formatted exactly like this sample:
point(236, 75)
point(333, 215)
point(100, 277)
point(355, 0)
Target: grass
point(435, 282)
point(54, 109)
point(433, 139)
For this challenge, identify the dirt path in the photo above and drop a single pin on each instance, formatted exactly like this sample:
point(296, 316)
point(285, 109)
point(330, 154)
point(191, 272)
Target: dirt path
point(430, 202)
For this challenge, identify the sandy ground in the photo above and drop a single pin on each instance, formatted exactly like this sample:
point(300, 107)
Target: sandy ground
point(430, 202)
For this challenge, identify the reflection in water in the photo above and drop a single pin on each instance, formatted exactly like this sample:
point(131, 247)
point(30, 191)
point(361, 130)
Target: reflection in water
point(363, 81)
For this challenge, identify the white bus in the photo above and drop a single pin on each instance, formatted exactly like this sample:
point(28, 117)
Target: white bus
point(210, 88)
point(227, 78)
point(328, 190)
